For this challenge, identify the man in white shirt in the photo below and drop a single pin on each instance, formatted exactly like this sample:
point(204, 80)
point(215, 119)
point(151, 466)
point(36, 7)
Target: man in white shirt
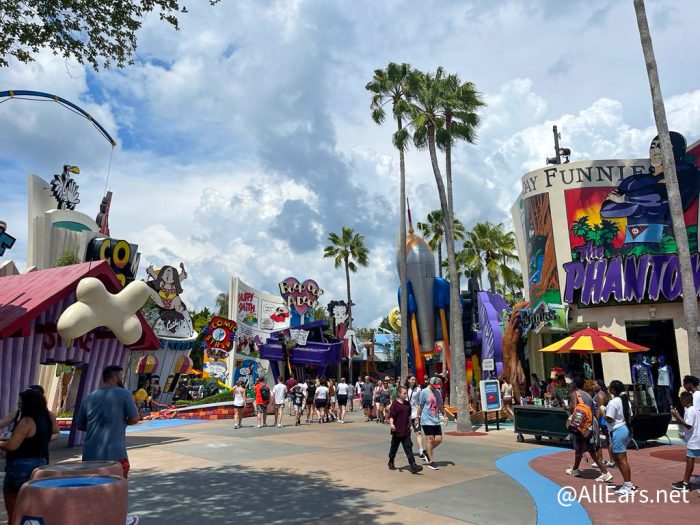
point(279, 393)
point(690, 383)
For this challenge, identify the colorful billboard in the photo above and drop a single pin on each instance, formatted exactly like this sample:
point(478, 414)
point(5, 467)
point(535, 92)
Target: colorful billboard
point(623, 248)
point(257, 314)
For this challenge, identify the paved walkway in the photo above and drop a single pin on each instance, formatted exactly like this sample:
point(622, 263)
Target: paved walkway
point(191, 472)
point(206, 472)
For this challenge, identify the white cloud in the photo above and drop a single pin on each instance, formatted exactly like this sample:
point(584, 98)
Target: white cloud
point(246, 137)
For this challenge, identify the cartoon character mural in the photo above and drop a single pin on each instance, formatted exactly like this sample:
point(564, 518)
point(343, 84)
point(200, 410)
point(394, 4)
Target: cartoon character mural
point(174, 319)
point(622, 243)
point(642, 200)
point(541, 257)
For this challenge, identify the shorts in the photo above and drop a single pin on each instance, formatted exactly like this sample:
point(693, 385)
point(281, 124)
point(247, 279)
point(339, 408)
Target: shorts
point(342, 400)
point(583, 444)
point(366, 403)
point(125, 466)
point(432, 430)
point(238, 406)
point(693, 453)
point(619, 439)
point(321, 403)
point(18, 472)
point(260, 408)
point(298, 409)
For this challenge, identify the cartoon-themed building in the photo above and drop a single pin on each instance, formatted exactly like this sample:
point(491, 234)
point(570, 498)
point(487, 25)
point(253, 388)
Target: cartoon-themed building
point(158, 370)
point(597, 249)
point(257, 314)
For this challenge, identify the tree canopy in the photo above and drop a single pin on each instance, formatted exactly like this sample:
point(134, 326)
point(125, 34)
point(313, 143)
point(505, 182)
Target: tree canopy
point(100, 33)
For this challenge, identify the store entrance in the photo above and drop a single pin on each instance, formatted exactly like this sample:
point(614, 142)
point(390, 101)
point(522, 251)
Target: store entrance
point(660, 338)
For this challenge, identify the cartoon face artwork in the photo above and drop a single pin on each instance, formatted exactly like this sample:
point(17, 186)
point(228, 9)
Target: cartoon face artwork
point(642, 199)
point(174, 319)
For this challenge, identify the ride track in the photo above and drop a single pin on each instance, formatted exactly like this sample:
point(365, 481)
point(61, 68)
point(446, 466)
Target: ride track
point(23, 94)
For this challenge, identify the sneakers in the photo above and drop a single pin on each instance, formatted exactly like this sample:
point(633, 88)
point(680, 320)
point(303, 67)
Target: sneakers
point(573, 472)
point(279, 425)
point(415, 469)
point(625, 489)
point(681, 485)
point(608, 464)
point(425, 458)
point(604, 477)
point(594, 465)
point(433, 466)
point(391, 465)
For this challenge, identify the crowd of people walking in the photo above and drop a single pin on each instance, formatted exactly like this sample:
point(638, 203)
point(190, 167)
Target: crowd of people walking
point(409, 408)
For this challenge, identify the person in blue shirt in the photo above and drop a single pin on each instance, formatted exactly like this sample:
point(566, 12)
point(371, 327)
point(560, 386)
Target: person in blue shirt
point(105, 414)
point(430, 406)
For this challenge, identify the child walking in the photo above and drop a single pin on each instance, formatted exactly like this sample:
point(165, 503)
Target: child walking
point(691, 422)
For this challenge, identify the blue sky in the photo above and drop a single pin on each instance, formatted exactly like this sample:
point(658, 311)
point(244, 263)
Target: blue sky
point(245, 137)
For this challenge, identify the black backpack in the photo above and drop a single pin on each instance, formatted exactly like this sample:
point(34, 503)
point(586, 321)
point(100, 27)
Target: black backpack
point(265, 393)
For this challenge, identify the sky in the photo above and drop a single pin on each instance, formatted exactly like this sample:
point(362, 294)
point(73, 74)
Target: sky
point(245, 137)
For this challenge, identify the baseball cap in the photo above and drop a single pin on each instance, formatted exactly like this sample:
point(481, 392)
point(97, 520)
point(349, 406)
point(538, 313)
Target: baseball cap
point(435, 381)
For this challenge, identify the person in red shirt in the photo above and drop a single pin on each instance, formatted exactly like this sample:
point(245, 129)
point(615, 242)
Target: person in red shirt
point(400, 421)
point(262, 398)
point(290, 384)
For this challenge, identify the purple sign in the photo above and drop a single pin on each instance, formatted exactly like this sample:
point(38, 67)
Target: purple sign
point(625, 279)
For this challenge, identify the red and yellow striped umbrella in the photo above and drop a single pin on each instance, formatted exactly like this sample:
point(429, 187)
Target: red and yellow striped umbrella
point(183, 365)
point(590, 341)
point(147, 364)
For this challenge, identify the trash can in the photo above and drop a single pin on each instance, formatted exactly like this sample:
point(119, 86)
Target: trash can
point(79, 468)
point(78, 500)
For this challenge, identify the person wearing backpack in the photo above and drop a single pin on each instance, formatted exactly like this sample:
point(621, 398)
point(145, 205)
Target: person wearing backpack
point(583, 428)
point(618, 414)
point(262, 398)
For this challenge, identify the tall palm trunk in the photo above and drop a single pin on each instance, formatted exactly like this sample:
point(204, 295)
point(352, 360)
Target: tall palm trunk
point(403, 305)
point(690, 305)
point(440, 259)
point(347, 284)
point(450, 219)
point(458, 370)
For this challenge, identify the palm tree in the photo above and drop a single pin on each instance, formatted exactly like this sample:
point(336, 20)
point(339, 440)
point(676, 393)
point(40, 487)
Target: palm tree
point(492, 250)
point(425, 111)
point(222, 304)
point(349, 250)
point(388, 87)
point(460, 101)
point(434, 231)
point(690, 305)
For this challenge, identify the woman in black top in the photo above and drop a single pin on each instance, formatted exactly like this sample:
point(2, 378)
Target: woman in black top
point(28, 446)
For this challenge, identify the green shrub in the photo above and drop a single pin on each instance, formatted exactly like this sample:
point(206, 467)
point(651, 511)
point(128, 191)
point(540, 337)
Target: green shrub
point(216, 398)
